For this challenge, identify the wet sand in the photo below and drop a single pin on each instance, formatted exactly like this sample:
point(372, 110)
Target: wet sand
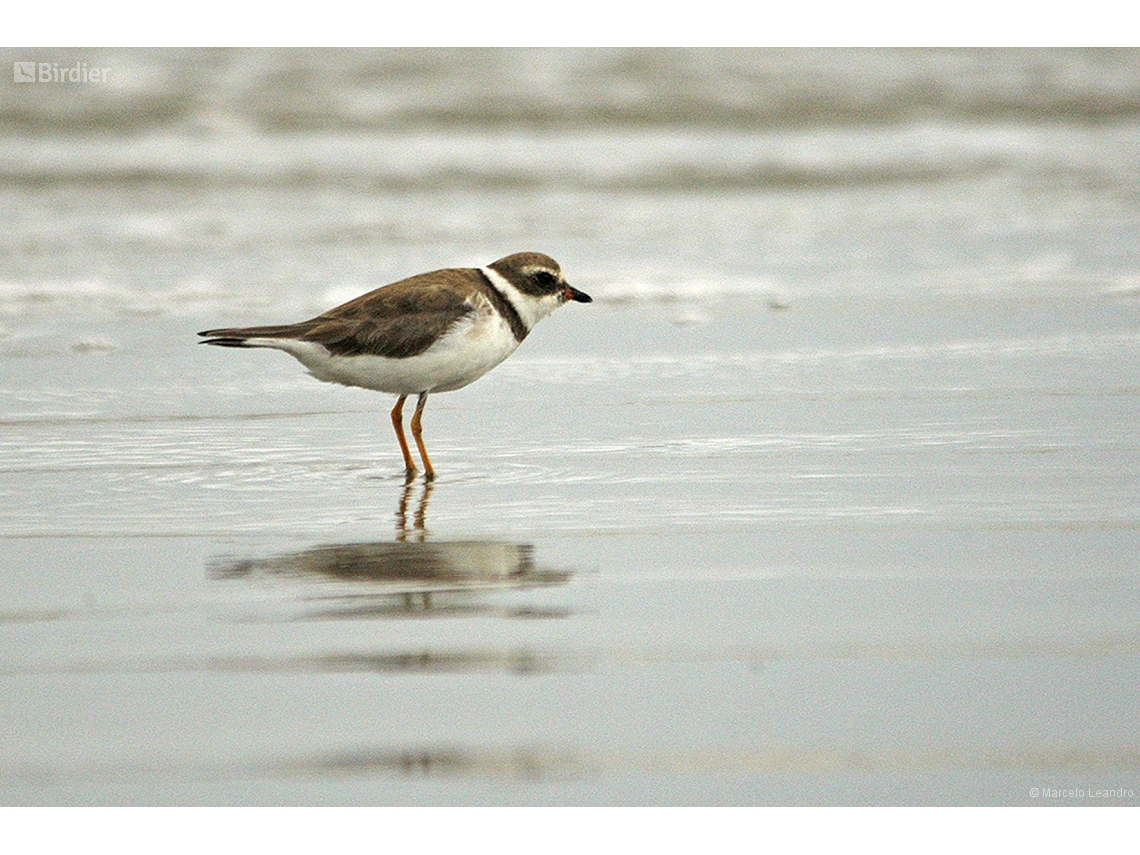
point(851, 552)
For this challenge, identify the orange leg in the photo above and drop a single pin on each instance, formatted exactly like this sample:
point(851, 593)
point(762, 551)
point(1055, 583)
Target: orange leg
point(417, 432)
point(398, 424)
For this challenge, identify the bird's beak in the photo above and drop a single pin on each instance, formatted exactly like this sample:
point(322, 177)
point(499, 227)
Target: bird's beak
point(577, 296)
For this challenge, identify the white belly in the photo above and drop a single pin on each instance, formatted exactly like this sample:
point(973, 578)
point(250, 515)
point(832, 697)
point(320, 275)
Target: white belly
point(471, 348)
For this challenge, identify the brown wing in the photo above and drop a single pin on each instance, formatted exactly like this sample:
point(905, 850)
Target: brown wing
point(398, 320)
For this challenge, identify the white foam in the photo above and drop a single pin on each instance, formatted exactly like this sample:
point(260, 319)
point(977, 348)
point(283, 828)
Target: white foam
point(94, 344)
point(694, 290)
point(88, 296)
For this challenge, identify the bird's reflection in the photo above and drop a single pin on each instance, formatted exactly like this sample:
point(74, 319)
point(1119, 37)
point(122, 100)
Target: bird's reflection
point(410, 576)
point(419, 531)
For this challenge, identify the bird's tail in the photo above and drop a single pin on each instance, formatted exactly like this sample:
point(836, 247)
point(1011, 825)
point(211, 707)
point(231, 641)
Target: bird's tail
point(245, 336)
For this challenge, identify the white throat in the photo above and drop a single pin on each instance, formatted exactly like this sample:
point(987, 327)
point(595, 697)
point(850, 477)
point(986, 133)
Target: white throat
point(531, 309)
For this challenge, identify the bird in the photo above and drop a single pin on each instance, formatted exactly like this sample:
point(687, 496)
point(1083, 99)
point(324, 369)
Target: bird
point(433, 332)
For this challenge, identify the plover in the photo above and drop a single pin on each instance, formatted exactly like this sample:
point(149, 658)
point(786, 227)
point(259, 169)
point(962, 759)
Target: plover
point(434, 332)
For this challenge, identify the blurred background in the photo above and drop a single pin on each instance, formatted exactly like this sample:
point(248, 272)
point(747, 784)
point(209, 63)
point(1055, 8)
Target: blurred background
point(259, 178)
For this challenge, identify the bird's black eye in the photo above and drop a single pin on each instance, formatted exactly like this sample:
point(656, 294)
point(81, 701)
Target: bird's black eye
point(546, 279)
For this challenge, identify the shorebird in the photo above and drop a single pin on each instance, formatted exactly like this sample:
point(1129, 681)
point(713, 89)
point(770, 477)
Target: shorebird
point(434, 332)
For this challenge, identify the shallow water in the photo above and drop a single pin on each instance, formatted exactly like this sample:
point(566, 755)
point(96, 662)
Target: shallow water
point(829, 498)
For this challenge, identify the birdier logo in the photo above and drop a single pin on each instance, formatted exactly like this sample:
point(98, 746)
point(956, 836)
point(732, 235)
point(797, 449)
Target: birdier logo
point(53, 72)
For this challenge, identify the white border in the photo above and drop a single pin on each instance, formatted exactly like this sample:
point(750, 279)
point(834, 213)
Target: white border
point(571, 830)
point(584, 23)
